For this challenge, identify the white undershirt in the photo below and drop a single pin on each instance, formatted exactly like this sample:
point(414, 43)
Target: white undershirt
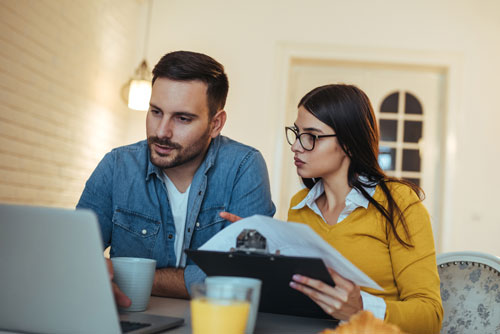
point(178, 205)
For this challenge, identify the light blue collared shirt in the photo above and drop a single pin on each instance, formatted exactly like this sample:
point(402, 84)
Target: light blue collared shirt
point(354, 200)
point(127, 193)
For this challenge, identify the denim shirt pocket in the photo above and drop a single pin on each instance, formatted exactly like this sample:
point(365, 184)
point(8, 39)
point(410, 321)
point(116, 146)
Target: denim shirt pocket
point(207, 225)
point(134, 234)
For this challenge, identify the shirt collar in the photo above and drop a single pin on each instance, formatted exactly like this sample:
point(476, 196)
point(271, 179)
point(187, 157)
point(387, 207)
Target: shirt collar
point(206, 164)
point(353, 199)
point(313, 194)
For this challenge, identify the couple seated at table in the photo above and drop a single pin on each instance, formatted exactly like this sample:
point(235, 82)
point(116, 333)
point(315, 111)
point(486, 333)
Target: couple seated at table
point(185, 183)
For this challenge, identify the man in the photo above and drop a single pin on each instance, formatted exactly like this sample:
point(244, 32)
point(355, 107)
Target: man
point(158, 197)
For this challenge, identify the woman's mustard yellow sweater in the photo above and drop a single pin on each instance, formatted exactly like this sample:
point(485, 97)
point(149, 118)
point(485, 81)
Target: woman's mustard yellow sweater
point(408, 276)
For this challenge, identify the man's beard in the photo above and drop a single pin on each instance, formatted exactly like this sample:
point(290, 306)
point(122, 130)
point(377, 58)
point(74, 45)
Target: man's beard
point(179, 155)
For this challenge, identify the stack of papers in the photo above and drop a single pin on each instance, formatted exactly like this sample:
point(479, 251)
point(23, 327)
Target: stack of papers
point(291, 239)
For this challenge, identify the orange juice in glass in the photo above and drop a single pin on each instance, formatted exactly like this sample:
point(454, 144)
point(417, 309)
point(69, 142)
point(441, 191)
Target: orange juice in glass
point(219, 309)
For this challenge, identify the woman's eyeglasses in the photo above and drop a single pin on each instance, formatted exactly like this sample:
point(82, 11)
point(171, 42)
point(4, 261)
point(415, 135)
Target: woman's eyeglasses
point(306, 140)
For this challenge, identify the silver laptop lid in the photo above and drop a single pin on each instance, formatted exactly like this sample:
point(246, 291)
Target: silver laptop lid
point(53, 276)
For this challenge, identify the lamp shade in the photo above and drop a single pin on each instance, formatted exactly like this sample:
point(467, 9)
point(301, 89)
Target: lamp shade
point(139, 94)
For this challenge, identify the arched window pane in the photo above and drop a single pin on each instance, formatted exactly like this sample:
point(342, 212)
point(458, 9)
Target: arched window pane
point(411, 160)
point(388, 129)
point(412, 131)
point(387, 158)
point(390, 103)
point(412, 105)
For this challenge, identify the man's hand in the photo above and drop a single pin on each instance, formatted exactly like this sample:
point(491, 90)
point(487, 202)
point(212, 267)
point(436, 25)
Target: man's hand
point(120, 298)
point(230, 217)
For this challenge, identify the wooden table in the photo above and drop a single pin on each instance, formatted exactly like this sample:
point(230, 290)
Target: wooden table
point(267, 323)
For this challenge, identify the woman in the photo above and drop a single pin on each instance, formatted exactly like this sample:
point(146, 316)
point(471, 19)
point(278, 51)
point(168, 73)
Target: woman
point(375, 221)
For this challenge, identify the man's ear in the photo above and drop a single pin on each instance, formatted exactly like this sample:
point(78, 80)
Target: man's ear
point(218, 122)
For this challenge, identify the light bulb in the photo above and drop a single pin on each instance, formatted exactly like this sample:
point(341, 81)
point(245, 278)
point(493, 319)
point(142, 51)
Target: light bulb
point(139, 95)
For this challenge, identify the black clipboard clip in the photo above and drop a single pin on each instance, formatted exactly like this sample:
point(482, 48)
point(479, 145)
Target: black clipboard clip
point(251, 241)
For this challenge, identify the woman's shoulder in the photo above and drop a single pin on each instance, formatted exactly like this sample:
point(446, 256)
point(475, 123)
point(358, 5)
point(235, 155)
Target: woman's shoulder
point(399, 188)
point(402, 193)
point(298, 197)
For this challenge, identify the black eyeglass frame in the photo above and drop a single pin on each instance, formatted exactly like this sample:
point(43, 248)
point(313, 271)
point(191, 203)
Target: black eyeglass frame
point(297, 136)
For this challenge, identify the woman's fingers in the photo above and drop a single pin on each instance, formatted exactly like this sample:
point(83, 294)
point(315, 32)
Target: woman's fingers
point(316, 290)
point(341, 312)
point(315, 295)
point(328, 304)
point(342, 283)
point(321, 286)
point(343, 287)
point(229, 216)
point(338, 279)
point(328, 309)
point(340, 301)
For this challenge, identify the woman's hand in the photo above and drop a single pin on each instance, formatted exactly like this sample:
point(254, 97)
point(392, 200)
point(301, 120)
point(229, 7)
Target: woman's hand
point(341, 301)
point(230, 217)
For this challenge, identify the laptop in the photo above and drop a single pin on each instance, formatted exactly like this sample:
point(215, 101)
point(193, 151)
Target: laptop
point(53, 276)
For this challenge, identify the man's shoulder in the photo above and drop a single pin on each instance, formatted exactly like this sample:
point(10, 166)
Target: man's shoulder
point(227, 144)
point(129, 156)
point(139, 147)
point(229, 155)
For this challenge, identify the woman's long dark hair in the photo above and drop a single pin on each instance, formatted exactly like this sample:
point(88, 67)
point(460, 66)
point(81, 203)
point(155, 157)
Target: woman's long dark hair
point(348, 111)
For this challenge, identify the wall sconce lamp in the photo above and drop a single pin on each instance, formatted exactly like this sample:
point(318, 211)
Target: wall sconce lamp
point(137, 91)
point(139, 88)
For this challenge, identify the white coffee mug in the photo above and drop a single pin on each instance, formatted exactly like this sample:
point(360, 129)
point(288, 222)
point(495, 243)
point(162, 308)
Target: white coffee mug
point(253, 283)
point(134, 276)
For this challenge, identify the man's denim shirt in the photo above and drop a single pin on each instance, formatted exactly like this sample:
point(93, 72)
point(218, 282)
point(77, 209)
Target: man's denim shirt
point(127, 194)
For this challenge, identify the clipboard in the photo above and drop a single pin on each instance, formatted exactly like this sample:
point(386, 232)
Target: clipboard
point(275, 271)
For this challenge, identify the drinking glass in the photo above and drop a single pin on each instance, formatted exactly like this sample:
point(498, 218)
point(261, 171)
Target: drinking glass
point(220, 308)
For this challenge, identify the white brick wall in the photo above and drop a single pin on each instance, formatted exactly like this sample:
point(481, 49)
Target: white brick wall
point(62, 65)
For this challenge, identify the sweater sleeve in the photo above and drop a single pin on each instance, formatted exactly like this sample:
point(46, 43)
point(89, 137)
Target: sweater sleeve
point(415, 271)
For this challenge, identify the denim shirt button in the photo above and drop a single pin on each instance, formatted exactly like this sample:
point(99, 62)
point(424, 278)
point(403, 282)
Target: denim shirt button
point(198, 224)
point(170, 236)
point(144, 232)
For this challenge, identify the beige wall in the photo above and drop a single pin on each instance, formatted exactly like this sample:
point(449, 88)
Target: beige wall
point(246, 37)
point(62, 64)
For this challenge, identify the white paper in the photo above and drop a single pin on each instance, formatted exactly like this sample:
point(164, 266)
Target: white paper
point(291, 239)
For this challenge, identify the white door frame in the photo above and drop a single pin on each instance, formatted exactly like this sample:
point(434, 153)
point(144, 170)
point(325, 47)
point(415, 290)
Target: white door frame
point(452, 63)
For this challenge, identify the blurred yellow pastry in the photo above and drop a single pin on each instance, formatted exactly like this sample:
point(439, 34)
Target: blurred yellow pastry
point(364, 323)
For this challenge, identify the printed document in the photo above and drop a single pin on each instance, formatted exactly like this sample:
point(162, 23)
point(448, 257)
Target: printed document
point(291, 239)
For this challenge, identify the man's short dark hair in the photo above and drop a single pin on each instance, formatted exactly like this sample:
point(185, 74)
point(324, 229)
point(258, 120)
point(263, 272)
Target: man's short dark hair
point(187, 66)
